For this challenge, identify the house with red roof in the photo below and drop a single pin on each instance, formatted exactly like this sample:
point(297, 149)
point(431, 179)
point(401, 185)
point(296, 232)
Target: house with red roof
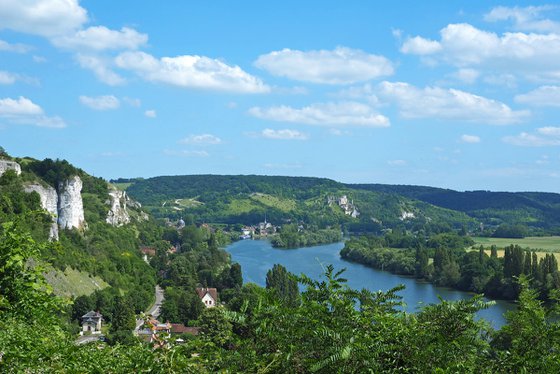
point(208, 296)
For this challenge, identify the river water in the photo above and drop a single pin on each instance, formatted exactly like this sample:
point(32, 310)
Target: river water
point(256, 257)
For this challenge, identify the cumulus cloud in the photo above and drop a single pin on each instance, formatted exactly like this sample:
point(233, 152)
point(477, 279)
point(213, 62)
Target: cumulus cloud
point(25, 111)
point(101, 68)
point(324, 114)
point(106, 102)
point(17, 48)
point(534, 55)
point(191, 72)
point(285, 134)
point(542, 96)
point(524, 18)
point(468, 76)
point(471, 139)
point(48, 18)
point(186, 153)
point(202, 139)
point(449, 104)
point(420, 46)
point(543, 137)
point(339, 66)
point(101, 38)
point(150, 113)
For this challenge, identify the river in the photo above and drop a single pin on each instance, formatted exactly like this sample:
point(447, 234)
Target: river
point(256, 257)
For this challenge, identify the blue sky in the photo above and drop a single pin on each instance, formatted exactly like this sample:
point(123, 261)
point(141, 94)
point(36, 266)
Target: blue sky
point(463, 95)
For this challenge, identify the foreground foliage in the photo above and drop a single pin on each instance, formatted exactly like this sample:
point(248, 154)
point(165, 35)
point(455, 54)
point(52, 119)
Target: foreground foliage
point(330, 328)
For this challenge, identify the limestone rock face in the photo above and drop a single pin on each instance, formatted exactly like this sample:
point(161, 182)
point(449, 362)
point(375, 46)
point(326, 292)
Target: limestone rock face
point(118, 213)
point(49, 202)
point(6, 165)
point(70, 204)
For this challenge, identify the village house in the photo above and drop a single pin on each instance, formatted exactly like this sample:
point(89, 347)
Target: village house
point(208, 296)
point(147, 253)
point(91, 323)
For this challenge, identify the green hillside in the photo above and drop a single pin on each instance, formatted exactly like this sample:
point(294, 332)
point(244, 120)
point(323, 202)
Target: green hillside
point(540, 211)
point(247, 199)
point(84, 260)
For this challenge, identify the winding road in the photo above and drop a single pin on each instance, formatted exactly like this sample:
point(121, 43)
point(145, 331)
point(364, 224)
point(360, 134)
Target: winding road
point(155, 309)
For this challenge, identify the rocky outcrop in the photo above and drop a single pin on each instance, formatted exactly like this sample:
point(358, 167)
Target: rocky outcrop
point(70, 204)
point(6, 165)
point(49, 202)
point(118, 213)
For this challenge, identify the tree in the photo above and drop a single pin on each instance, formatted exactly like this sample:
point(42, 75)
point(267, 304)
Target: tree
point(82, 305)
point(284, 283)
point(123, 316)
point(422, 260)
point(23, 289)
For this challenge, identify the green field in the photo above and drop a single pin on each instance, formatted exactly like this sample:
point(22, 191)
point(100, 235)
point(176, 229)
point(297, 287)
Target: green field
point(544, 243)
point(121, 186)
point(285, 205)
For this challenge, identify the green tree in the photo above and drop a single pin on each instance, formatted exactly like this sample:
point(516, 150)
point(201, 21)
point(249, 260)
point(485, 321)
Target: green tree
point(123, 316)
point(82, 304)
point(284, 284)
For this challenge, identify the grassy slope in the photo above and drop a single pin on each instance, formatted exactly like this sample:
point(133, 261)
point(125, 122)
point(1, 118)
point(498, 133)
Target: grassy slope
point(73, 283)
point(545, 243)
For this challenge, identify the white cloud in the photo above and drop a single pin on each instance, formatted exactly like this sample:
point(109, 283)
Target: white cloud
point(101, 69)
point(397, 162)
point(420, 46)
point(20, 106)
point(339, 66)
point(137, 103)
point(7, 77)
point(17, 48)
point(150, 113)
point(202, 139)
point(542, 96)
point(24, 111)
point(191, 72)
point(101, 38)
point(534, 55)
point(450, 104)
point(544, 136)
point(285, 134)
point(329, 114)
point(468, 76)
point(105, 102)
point(527, 19)
point(39, 59)
point(48, 18)
point(471, 139)
point(186, 153)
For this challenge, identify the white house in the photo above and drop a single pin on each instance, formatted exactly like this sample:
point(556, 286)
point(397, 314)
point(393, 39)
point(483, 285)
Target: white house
point(208, 296)
point(91, 322)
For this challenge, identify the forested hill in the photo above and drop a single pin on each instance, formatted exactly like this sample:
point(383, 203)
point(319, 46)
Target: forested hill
point(534, 209)
point(312, 201)
point(157, 190)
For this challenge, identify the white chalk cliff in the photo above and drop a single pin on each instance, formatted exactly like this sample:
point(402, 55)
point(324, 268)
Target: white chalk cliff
point(6, 165)
point(118, 213)
point(49, 202)
point(70, 204)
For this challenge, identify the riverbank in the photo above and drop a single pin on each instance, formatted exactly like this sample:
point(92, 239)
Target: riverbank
point(256, 257)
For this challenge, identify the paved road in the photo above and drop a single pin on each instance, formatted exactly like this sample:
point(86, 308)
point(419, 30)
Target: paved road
point(88, 339)
point(155, 309)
